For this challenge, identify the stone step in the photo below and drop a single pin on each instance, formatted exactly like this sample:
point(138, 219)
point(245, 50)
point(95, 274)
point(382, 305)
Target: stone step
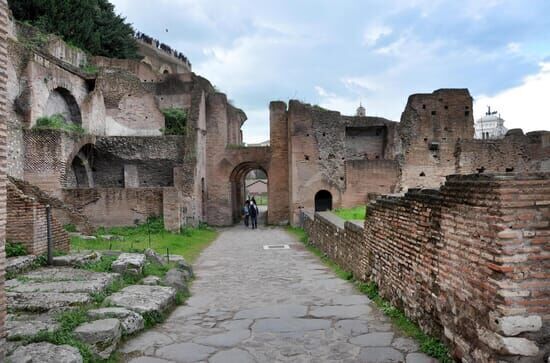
point(144, 298)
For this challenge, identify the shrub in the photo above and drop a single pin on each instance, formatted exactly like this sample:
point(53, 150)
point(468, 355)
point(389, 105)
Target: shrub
point(15, 249)
point(57, 122)
point(175, 120)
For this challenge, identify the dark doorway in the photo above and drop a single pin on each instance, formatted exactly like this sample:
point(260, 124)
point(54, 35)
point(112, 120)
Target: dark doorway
point(323, 201)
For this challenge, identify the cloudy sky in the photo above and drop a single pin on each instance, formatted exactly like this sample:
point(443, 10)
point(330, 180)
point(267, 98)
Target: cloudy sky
point(339, 53)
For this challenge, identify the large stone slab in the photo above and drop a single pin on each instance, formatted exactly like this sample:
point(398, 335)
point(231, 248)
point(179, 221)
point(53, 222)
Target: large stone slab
point(144, 298)
point(341, 312)
point(380, 355)
point(45, 353)
point(102, 336)
point(177, 279)
point(131, 321)
point(131, 263)
point(290, 325)
point(232, 356)
point(27, 326)
point(19, 264)
point(373, 340)
point(185, 352)
point(45, 301)
point(68, 274)
point(224, 340)
point(76, 259)
point(274, 311)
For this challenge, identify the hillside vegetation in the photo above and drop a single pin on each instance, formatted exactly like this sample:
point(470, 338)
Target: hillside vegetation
point(91, 25)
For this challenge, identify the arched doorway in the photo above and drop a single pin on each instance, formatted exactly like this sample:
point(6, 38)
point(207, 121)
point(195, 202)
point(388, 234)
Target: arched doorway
point(62, 102)
point(249, 180)
point(323, 201)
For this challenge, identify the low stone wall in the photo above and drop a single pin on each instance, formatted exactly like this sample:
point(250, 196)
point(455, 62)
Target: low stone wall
point(27, 224)
point(341, 240)
point(112, 207)
point(469, 263)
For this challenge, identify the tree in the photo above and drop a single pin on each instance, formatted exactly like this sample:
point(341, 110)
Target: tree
point(91, 25)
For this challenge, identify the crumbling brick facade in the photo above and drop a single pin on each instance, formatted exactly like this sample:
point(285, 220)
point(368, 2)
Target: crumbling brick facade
point(469, 263)
point(3, 132)
point(27, 224)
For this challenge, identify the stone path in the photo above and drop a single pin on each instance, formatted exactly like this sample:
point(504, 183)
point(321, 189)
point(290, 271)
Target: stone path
point(250, 304)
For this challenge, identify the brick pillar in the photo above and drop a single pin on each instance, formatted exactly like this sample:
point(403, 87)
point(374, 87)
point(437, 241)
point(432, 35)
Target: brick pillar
point(3, 101)
point(278, 209)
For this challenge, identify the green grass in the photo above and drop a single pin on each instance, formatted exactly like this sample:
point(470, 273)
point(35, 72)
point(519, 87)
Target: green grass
point(261, 199)
point(429, 345)
point(189, 243)
point(58, 122)
point(350, 214)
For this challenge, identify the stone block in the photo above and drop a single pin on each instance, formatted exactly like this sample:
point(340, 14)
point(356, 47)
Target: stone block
point(130, 321)
point(102, 336)
point(45, 353)
point(144, 298)
point(131, 263)
point(515, 325)
point(177, 279)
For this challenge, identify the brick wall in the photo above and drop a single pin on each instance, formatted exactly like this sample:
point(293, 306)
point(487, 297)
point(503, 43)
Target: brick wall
point(470, 263)
point(112, 207)
point(3, 110)
point(341, 240)
point(26, 224)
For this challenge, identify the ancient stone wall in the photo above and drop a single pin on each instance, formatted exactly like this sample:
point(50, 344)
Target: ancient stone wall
point(3, 153)
point(516, 152)
point(482, 238)
point(27, 224)
point(112, 207)
point(430, 127)
point(278, 188)
point(342, 241)
point(331, 152)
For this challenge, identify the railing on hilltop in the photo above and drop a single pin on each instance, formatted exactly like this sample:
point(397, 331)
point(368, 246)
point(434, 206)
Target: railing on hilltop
point(165, 48)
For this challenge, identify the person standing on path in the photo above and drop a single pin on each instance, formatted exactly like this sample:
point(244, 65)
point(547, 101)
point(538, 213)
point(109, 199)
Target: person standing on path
point(253, 210)
point(246, 212)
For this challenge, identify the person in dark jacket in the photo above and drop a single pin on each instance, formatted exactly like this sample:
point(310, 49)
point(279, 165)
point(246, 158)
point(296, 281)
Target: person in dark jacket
point(246, 212)
point(253, 210)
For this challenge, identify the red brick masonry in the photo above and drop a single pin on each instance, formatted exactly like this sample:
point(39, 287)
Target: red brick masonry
point(470, 263)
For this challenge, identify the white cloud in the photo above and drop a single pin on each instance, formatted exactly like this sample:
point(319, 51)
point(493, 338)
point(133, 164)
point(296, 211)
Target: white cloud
point(256, 128)
point(513, 47)
point(525, 106)
point(374, 33)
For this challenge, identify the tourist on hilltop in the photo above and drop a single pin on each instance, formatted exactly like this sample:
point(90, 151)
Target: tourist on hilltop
point(253, 210)
point(246, 212)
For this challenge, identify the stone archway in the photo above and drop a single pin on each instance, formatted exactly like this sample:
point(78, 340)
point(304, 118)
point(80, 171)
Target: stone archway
point(62, 102)
point(237, 180)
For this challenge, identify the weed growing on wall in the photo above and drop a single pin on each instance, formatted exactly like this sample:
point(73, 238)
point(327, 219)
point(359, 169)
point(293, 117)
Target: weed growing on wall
point(15, 249)
point(175, 121)
point(58, 122)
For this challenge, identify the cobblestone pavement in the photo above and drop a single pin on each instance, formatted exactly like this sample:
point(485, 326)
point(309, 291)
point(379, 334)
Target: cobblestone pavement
point(251, 304)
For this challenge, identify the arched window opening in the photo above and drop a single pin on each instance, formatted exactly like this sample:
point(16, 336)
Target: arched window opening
point(62, 102)
point(323, 201)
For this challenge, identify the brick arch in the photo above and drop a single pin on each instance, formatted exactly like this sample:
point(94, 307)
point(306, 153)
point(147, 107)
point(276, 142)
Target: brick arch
point(237, 180)
point(70, 108)
point(66, 177)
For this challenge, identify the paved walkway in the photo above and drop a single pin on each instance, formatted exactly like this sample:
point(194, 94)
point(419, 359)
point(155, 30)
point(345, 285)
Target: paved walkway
point(250, 304)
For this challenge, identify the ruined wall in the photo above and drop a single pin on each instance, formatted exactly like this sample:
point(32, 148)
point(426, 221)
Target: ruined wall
point(278, 188)
point(469, 263)
point(27, 224)
point(430, 127)
point(369, 176)
point(323, 145)
point(112, 207)
point(342, 241)
point(48, 156)
point(3, 132)
point(131, 110)
point(516, 152)
point(161, 61)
